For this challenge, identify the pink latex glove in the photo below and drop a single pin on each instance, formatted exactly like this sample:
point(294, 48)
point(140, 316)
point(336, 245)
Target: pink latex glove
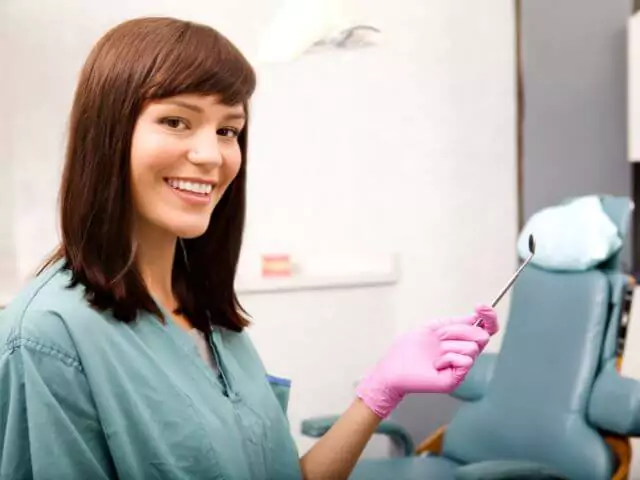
point(431, 359)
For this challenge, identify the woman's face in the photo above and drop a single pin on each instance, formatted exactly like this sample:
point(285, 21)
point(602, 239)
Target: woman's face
point(184, 155)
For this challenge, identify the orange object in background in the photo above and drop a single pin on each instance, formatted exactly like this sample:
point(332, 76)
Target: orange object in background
point(276, 265)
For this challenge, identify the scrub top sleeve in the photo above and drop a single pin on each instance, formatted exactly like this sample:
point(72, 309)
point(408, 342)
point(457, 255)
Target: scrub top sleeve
point(49, 427)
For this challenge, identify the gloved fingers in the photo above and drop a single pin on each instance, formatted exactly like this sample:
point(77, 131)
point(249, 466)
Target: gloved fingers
point(452, 360)
point(463, 332)
point(486, 314)
point(488, 319)
point(441, 322)
point(466, 348)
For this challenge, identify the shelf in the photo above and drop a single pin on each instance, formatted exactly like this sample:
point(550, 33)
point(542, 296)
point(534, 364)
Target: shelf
point(310, 282)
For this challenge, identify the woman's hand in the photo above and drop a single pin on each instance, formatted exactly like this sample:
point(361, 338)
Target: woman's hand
point(434, 358)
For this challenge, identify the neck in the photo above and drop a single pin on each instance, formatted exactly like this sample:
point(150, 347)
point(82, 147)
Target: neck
point(156, 251)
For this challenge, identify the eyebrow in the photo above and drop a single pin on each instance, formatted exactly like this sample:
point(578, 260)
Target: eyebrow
point(195, 108)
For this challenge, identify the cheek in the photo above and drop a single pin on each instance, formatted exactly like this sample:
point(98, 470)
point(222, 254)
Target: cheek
point(151, 155)
point(232, 164)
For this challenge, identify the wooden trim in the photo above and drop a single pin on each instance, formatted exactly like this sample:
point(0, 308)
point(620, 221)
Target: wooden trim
point(433, 443)
point(519, 115)
point(621, 447)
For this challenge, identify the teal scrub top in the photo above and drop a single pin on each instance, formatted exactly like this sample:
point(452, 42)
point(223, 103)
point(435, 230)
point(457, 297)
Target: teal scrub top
point(83, 396)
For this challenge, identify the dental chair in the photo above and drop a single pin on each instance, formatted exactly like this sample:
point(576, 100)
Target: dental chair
point(551, 403)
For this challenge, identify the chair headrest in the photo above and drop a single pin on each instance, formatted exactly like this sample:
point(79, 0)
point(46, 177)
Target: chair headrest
point(578, 234)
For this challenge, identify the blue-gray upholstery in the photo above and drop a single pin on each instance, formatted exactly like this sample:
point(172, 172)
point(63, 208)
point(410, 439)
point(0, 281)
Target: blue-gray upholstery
point(535, 407)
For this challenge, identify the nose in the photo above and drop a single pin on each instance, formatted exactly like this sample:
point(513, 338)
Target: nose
point(206, 152)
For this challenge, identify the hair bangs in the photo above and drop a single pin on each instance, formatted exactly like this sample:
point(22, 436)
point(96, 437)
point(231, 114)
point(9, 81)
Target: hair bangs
point(201, 61)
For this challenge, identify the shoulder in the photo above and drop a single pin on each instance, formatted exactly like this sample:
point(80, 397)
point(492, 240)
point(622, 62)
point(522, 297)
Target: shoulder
point(43, 315)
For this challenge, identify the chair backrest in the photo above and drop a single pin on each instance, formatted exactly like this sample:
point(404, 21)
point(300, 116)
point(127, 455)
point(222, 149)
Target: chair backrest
point(535, 405)
point(619, 209)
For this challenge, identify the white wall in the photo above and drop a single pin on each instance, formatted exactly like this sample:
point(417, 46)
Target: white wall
point(631, 367)
point(416, 141)
point(408, 147)
point(633, 98)
point(7, 244)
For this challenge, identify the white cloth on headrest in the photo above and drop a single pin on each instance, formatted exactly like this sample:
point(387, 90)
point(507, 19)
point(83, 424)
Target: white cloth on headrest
point(574, 236)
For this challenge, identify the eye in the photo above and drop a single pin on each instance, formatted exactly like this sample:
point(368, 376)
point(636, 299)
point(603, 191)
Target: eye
point(175, 123)
point(229, 132)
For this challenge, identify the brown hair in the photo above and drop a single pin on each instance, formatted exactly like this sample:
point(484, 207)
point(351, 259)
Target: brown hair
point(137, 61)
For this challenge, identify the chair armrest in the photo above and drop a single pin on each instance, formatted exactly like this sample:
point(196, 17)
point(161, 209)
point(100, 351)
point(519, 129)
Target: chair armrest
point(614, 405)
point(475, 383)
point(316, 427)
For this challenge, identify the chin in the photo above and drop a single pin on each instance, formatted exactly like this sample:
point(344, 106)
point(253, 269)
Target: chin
point(189, 231)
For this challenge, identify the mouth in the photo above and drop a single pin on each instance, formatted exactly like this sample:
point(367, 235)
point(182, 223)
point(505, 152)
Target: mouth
point(194, 187)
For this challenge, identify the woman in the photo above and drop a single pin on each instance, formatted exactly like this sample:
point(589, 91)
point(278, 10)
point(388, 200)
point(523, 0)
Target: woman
point(101, 374)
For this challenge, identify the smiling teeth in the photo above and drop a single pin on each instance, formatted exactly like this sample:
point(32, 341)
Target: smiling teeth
point(195, 187)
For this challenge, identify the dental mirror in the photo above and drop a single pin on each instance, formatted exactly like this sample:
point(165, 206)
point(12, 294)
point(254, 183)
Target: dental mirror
point(532, 251)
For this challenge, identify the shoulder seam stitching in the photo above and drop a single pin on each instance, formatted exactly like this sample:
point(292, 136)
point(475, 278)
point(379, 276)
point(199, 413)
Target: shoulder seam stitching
point(68, 359)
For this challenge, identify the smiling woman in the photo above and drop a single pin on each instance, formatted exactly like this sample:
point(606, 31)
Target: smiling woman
point(185, 91)
point(126, 357)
